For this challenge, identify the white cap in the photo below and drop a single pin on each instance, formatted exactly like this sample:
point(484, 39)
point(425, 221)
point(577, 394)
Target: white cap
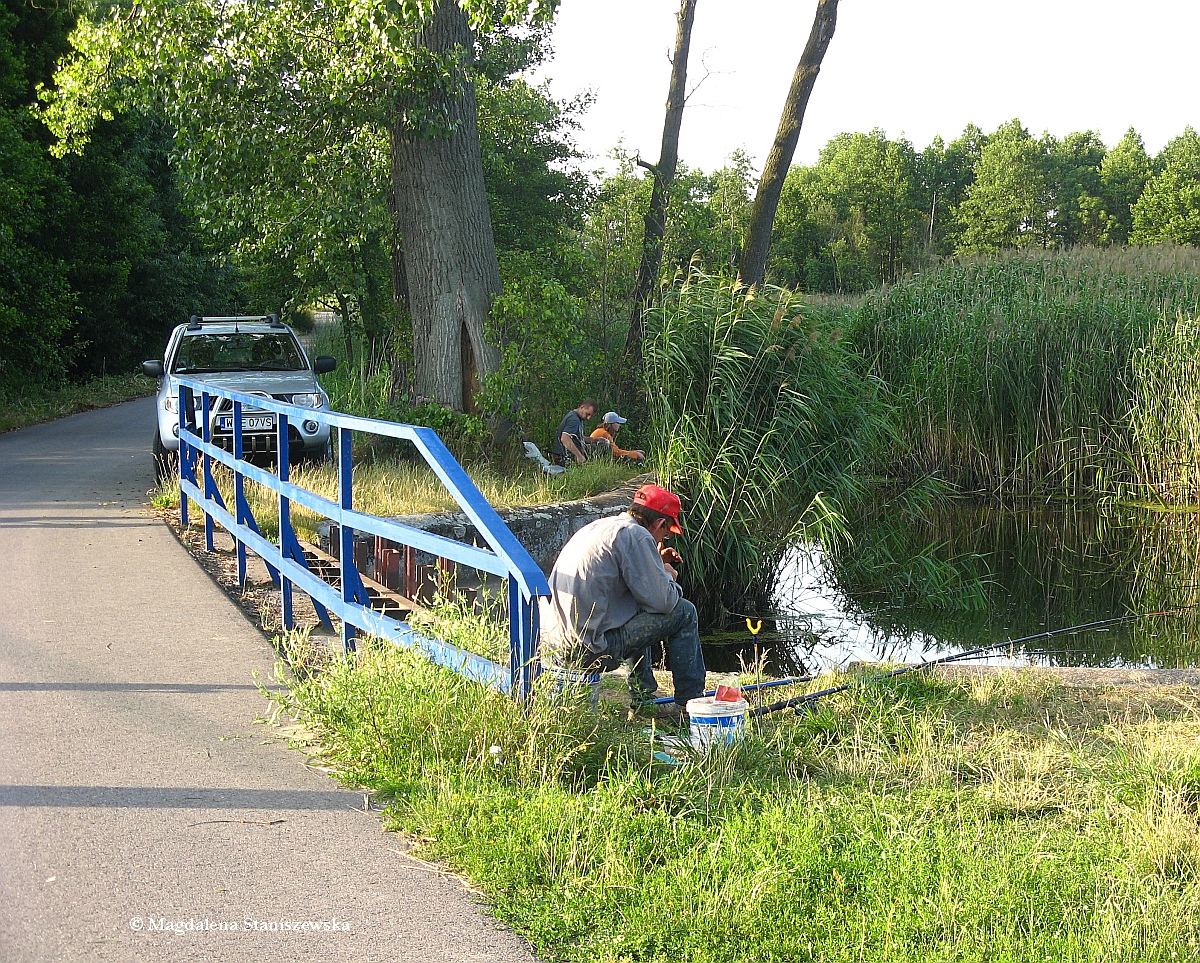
point(612, 418)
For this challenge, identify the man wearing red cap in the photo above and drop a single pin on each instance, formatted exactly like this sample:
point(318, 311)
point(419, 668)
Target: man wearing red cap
point(614, 595)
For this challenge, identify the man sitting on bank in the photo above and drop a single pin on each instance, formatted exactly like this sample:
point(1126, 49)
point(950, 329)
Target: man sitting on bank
point(614, 595)
point(570, 445)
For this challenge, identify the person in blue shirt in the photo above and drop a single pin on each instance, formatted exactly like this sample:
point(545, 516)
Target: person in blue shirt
point(570, 444)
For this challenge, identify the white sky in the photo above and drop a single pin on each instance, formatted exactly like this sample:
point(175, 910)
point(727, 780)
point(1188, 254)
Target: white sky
point(916, 68)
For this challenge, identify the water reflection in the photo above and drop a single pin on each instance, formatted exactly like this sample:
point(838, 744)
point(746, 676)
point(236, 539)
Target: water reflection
point(1044, 568)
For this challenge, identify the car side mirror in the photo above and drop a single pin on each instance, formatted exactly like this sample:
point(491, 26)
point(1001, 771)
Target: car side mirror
point(323, 364)
point(152, 369)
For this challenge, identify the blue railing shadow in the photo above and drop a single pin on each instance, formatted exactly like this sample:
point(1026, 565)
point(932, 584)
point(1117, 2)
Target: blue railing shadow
point(349, 601)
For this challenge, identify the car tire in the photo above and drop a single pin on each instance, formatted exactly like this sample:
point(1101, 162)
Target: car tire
point(165, 462)
point(322, 457)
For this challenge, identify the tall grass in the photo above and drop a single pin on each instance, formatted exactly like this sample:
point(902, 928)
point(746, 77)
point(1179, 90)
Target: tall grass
point(1065, 371)
point(763, 422)
point(923, 820)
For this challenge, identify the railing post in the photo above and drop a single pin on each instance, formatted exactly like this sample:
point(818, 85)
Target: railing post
point(283, 464)
point(345, 532)
point(239, 493)
point(522, 633)
point(210, 484)
point(185, 421)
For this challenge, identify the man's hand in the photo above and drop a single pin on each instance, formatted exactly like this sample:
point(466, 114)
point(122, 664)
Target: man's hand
point(671, 570)
point(568, 442)
point(670, 556)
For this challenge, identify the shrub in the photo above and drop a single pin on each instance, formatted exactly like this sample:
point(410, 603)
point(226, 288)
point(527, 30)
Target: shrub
point(764, 422)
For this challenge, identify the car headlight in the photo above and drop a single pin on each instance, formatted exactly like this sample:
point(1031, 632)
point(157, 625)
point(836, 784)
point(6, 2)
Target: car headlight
point(170, 402)
point(308, 399)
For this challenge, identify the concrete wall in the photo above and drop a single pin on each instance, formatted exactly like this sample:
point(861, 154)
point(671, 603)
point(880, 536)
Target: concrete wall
point(542, 529)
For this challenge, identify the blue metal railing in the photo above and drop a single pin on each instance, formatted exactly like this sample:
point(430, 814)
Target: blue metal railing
point(504, 555)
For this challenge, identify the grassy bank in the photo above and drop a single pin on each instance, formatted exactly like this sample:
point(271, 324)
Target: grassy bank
point(1072, 372)
point(30, 408)
point(1002, 819)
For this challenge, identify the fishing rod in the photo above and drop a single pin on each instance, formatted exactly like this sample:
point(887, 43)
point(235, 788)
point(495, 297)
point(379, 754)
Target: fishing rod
point(752, 687)
point(807, 701)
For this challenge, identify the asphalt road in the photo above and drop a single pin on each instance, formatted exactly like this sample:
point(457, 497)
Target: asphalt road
point(145, 812)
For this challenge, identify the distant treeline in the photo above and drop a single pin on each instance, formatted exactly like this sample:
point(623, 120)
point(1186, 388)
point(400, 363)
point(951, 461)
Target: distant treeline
point(872, 209)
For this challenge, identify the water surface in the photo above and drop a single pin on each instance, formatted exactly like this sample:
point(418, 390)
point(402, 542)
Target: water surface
point(1044, 569)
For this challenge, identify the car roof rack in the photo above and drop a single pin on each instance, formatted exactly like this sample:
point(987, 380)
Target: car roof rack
point(196, 322)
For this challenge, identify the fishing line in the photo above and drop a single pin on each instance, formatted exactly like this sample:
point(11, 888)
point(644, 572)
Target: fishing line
point(803, 702)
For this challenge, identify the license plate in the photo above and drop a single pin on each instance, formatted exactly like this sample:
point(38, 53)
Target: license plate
point(249, 423)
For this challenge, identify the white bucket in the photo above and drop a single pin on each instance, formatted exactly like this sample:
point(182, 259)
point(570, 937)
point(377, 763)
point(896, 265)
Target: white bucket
point(713, 722)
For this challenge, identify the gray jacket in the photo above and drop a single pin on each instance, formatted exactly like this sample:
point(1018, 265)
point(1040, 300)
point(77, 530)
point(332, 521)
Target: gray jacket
point(608, 572)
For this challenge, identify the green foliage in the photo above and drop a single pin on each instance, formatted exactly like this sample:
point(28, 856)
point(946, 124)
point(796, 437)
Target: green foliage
point(1168, 210)
point(1006, 204)
point(764, 422)
point(1123, 175)
point(99, 256)
point(37, 304)
point(914, 820)
point(858, 209)
point(546, 350)
point(872, 210)
point(1018, 372)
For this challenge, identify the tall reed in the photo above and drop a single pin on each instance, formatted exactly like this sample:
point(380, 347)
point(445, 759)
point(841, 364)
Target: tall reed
point(1067, 371)
point(764, 422)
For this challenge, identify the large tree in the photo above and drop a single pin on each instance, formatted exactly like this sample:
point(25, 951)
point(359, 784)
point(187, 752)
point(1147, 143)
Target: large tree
point(1169, 208)
point(663, 174)
point(770, 185)
point(267, 78)
point(1123, 175)
point(1007, 205)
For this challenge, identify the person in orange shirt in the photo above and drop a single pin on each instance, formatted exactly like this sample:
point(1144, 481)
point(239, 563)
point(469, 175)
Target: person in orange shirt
point(607, 430)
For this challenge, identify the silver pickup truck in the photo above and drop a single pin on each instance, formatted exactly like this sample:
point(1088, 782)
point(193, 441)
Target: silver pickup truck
point(256, 355)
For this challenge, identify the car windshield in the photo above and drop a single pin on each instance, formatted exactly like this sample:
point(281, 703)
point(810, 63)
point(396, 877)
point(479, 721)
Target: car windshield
point(243, 351)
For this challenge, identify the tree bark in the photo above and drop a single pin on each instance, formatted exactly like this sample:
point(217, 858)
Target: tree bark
point(400, 387)
point(766, 200)
point(442, 215)
point(656, 215)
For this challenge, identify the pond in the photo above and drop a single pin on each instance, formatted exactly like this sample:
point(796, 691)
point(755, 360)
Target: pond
point(1042, 569)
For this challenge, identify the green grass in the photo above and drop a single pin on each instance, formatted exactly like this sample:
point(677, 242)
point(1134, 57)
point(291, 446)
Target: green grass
point(1000, 819)
point(32, 407)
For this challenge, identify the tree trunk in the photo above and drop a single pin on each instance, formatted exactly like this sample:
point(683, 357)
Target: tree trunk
point(656, 215)
point(766, 199)
point(442, 215)
point(400, 386)
point(347, 327)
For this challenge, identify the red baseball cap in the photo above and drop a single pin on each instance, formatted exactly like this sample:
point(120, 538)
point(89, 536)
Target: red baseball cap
point(660, 500)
